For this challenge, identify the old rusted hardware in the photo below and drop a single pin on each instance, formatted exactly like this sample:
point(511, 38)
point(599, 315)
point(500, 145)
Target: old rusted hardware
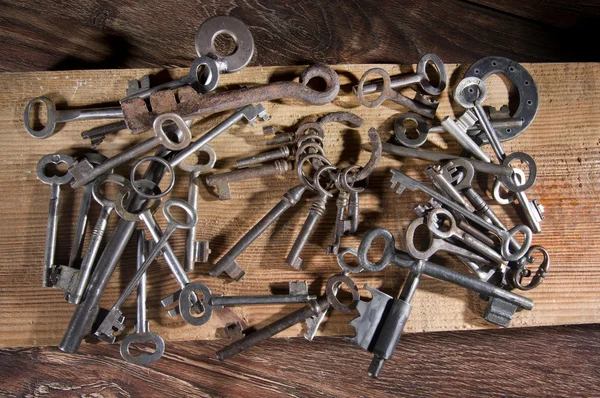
point(456, 217)
point(190, 104)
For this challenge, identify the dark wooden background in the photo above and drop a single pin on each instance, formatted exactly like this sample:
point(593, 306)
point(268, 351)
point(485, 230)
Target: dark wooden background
point(88, 34)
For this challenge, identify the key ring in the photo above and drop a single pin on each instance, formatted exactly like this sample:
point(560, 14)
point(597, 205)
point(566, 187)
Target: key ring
point(125, 191)
point(304, 179)
point(343, 183)
point(152, 159)
point(317, 180)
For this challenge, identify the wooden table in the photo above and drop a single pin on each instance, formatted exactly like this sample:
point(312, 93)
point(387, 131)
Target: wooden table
point(548, 361)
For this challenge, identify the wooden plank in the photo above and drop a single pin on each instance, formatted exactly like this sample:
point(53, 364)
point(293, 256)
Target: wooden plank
point(427, 364)
point(564, 140)
point(88, 34)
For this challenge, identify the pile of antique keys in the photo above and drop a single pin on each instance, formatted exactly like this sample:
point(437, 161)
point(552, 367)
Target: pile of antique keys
point(458, 219)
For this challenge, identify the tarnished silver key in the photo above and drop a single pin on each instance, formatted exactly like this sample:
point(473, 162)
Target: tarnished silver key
point(83, 172)
point(387, 93)
point(55, 183)
point(420, 78)
point(142, 332)
point(314, 308)
point(82, 218)
point(227, 263)
point(203, 76)
point(346, 219)
point(54, 117)
point(196, 250)
point(97, 233)
point(317, 209)
point(460, 173)
point(222, 180)
point(114, 320)
point(210, 301)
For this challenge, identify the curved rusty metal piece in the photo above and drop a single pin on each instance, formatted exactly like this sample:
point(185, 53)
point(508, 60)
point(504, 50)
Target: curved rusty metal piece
point(341, 117)
point(191, 104)
point(376, 152)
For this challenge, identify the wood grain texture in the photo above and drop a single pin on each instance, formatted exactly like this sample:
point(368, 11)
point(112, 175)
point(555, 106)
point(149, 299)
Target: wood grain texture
point(567, 155)
point(98, 34)
point(532, 362)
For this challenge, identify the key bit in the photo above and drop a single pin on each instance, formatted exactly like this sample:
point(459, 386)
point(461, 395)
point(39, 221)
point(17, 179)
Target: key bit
point(113, 322)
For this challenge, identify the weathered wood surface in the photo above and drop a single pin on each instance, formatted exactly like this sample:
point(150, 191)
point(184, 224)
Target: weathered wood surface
point(564, 140)
point(91, 34)
point(532, 362)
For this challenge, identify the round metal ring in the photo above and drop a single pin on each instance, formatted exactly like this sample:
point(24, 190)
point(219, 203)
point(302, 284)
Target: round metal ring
point(304, 130)
point(302, 150)
point(186, 134)
point(312, 138)
point(343, 264)
point(100, 181)
point(330, 290)
point(152, 159)
point(48, 129)
point(185, 303)
point(317, 178)
point(513, 185)
point(400, 130)
point(189, 222)
point(498, 185)
point(387, 85)
point(222, 24)
point(386, 255)
point(305, 180)
point(127, 190)
point(143, 358)
point(343, 180)
point(441, 71)
point(525, 86)
point(467, 96)
point(56, 159)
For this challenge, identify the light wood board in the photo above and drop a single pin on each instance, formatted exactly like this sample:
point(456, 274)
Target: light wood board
point(564, 140)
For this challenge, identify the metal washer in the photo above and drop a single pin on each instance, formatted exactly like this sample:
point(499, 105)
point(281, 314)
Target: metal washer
point(212, 27)
point(524, 84)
